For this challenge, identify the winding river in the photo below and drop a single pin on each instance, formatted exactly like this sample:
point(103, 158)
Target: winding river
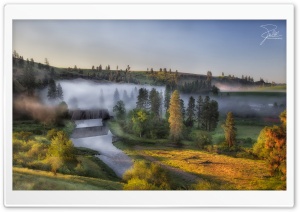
point(94, 135)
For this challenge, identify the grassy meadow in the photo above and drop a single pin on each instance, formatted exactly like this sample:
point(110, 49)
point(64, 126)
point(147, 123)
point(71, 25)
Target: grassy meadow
point(206, 170)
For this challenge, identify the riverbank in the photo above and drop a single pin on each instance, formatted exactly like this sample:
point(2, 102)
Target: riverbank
point(113, 157)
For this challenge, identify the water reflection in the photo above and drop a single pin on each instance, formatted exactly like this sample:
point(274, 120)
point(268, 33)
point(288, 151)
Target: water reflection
point(109, 154)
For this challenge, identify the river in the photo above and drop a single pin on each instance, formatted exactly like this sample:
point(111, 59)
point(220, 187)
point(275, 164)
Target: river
point(101, 141)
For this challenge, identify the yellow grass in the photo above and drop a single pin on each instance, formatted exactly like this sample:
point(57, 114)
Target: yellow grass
point(235, 173)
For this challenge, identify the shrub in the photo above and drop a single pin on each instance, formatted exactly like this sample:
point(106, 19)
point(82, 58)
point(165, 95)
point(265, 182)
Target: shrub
point(201, 138)
point(259, 147)
point(37, 151)
point(69, 127)
point(51, 133)
point(139, 184)
point(143, 176)
point(19, 146)
point(22, 135)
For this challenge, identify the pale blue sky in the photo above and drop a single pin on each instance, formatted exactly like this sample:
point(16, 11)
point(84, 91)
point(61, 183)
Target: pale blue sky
point(232, 47)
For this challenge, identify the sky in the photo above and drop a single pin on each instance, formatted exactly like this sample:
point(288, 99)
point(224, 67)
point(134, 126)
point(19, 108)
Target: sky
point(191, 46)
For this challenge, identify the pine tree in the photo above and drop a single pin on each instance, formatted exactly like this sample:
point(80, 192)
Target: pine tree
point(120, 110)
point(190, 111)
point(155, 102)
point(230, 130)
point(205, 113)
point(125, 96)
point(213, 115)
point(29, 79)
point(59, 92)
point(52, 91)
point(167, 100)
point(116, 96)
point(175, 119)
point(167, 97)
point(199, 114)
point(182, 109)
point(142, 99)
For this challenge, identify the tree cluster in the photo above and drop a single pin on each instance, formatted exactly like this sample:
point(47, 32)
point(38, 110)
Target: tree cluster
point(54, 91)
point(271, 146)
point(198, 86)
point(145, 120)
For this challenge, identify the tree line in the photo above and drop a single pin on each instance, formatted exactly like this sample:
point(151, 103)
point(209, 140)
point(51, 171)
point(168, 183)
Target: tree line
point(147, 120)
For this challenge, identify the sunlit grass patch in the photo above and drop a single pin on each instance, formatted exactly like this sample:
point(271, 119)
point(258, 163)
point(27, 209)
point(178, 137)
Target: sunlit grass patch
point(236, 173)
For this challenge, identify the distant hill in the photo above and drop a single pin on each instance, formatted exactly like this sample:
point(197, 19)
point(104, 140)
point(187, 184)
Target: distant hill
point(185, 82)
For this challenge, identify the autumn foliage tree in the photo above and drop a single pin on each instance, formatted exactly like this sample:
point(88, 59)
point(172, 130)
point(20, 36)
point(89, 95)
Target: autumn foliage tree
point(175, 119)
point(230, 130)
point(271, 145)
point(60, 151)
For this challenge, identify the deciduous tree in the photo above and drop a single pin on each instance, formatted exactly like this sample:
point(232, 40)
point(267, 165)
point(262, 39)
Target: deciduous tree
point(230, 130)
point(175, 119)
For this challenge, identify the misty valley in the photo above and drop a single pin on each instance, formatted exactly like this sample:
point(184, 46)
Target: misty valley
point(103, 129)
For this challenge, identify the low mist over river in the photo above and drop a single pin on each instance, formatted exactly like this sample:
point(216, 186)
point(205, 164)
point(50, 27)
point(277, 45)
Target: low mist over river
point(88, 94)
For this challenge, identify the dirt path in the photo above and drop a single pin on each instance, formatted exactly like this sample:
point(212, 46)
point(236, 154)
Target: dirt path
point(184, 175)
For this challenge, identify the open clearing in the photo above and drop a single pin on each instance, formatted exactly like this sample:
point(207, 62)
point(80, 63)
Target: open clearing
point(225, 172)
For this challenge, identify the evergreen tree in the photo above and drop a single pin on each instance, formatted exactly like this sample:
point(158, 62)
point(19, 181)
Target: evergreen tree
point(215, 90)
point(116, 96)
point(230, 130)
point(125, 96)
point(175, 119)
point(155, 102)
point(52, 94)
point(47, 65)
point(213, 115)
point(161, 103)
point(182, 109)
point(142, 99)
point(28, 79)
point(190, 111)
point(167, 99)
point(59, 92)
point(120, 110)
point(205, 113)
point(132, 95)
point(199, 114)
